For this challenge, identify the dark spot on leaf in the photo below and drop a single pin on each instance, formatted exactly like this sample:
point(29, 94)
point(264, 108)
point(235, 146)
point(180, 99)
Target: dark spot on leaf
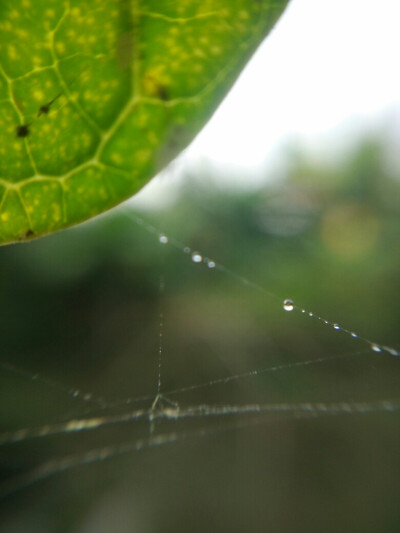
point(162, 92)
point(27, 234)
point(45, 109)
point(22, 130)
point(178, 137)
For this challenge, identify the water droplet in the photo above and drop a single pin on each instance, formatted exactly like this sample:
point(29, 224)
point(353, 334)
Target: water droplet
point(197, 257)
point(336, 326)
point(376, 348)
point(354, 334)
point(288, 305)
point(303, 310)
point(326, 322)
point(211, 264)
point(163, 239)
point(392, 351)
point(310, 314)
point(87, 397)
point(75, 393)
point(187, 250)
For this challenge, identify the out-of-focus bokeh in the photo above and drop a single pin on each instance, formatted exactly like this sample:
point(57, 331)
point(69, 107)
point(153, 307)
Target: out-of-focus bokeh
point(314, 216)
point(81, 310)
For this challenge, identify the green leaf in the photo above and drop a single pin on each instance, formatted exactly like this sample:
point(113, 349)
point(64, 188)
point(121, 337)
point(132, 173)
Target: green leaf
point(97, 96)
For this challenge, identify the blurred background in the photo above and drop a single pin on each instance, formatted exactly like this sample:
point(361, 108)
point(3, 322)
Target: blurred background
point(302, 199)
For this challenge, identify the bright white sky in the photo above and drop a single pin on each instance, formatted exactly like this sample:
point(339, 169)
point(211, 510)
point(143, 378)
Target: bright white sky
point(328, 72)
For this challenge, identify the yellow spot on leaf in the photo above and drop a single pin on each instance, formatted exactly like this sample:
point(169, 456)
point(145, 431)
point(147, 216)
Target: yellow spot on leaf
point(116, 158)
point(12, 52)
point(56, 211)
point(38, 95)
point(154, 79)
point(60, 47)
point(143, 156)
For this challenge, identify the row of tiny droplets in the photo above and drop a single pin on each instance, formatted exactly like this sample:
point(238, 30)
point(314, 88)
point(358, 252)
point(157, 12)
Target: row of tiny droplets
point(197, 257)
point(288, 305)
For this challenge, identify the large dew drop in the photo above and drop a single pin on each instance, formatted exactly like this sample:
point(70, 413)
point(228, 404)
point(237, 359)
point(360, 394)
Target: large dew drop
point(376, 348)
point(163, 239)
point(197, 257)
point(288, 305)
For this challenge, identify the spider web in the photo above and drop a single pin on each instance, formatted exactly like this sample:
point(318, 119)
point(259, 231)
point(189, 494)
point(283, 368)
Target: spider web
point(247, 416)
point(347, 378)
point(337, 376)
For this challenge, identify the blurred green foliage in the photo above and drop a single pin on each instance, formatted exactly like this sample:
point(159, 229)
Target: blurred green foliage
point(82, 309)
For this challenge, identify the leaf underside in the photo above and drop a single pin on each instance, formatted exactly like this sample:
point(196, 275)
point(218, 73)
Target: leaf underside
point(97, 96)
